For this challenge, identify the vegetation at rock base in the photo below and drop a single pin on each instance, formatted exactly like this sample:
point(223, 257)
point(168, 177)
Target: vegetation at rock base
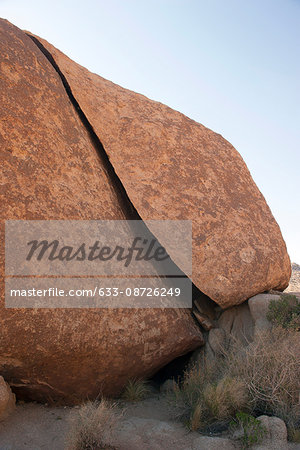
point(247, 430)
point(285, 312)
point(136, 390)
point(209, 398)
point(261, 378)
point(93, 425)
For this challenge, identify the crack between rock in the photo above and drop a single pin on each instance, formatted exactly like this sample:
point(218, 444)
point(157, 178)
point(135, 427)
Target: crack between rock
point(125, 203)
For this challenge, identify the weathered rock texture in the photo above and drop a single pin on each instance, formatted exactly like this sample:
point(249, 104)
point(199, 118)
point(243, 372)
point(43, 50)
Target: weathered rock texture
point(175, 168)
point(53, 166)
point(7, 399)
point(50, 169)
point(240, 324)
point(276, 434)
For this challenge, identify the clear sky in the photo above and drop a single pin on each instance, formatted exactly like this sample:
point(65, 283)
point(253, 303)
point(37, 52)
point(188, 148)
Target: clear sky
point(232, 65)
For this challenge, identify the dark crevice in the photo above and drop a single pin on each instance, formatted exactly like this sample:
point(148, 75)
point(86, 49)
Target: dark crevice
point(125, 203)
point(174, 370)
point(127, 207)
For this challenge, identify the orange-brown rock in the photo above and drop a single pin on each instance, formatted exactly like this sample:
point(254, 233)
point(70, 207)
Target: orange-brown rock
point(7, 399)
point(50, 169)
point(175, 168)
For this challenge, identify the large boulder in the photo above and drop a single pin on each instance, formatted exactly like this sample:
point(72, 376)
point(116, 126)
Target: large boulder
point(50, 169)
point(174, 168)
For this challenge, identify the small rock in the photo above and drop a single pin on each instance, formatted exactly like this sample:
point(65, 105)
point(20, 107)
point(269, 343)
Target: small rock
point(167, 386)
point(205, 307)
point(276, 434)
point(258, 306)
point(238, 324)
point(204, 321)
point(217, 339)
point(7, 399)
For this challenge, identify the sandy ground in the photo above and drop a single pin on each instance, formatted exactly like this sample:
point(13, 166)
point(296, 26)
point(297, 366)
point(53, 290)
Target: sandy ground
point(33, 426)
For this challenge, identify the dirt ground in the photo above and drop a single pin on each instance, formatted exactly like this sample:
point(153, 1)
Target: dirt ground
point(147, 425)
point(34, 427)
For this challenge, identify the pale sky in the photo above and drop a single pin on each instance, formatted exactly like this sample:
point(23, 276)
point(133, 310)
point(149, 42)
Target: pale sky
point(233, 66)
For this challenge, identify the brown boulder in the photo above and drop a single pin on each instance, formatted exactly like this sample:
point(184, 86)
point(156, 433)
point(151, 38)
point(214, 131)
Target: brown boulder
point(174, 168)
point(50, 169)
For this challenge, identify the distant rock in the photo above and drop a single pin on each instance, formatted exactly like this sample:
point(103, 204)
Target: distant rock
point(295, 267)
point(294, 285)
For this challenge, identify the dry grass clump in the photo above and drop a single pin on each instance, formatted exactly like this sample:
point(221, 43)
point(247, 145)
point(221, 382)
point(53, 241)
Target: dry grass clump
point(262, 378)
point(209, 397)
point(136, 390)
point(224, 399)
point(270, 368)
point(93, 426)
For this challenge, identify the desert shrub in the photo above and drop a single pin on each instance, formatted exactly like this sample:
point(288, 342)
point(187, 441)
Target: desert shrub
point(93, 426)
point(223, 399)
point(294, 435)
point(285, 312)
point(270, 368)
point(136, 390)
point(247, 430)
point(261, 378)
point(207, 396)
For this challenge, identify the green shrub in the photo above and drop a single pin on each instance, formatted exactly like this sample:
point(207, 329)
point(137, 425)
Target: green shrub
point(136, 390)
point(247, 429)
point(285, 312)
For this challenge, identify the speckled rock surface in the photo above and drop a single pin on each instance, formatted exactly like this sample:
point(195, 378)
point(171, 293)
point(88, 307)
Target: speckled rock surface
point(7, 399)
point(50, 170)
point(175, 168)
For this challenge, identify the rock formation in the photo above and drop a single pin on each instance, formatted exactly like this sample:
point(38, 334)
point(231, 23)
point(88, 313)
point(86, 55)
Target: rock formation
point(174, 168)
point(76, 146)
point(50, 169)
